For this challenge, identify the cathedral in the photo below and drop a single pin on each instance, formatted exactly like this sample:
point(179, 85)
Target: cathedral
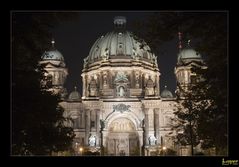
point(122, 110)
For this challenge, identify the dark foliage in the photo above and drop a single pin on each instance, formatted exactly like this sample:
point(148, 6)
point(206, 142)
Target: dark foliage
point(37, 120)
point(209, 31)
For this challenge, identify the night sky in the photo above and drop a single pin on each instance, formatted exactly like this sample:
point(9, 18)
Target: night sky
point(74, 40)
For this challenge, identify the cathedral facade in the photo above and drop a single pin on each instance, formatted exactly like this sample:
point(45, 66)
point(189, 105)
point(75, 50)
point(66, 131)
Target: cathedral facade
point(122, 110)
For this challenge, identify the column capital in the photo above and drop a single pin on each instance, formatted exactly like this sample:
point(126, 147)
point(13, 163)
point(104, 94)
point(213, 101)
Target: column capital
point(87, 111)
point(146, 110)
point(156, 110)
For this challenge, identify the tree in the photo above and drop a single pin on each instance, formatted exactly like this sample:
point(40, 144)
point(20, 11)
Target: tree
point(37, 121)
point(212, 122)
point(209, 30)
point(185, 122)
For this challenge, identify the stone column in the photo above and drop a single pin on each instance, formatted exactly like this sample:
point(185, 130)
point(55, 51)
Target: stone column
point(110, 80)
point(105, 80)
point(103, 140)
point(87, 127)
point(84, 86)
point(101, 80)
point(115, 147)
point(93, 119)
point(136, 79)
point(132, 80)
point(146, 152)
point(98, 127)
point(186, 76)
point(87, 86)
point(151, 120)
point(143, 81)
point(156, 124)
point(140, 134)
point(157, 85)
point(146, 126)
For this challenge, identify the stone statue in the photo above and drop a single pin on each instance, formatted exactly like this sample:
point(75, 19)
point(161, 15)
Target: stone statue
point(137, 82)
point(149, 90)
point(104, 79)
point(92, 140)
point(152, 140)
point(155, 61)
point(85, 62)
point(121, 76)
point(102, 124)
point(143, 123)
point(121, 91)
point(56, 76)
point(105, 56)
point(93, 87)
point(134, 54)
point(121, 107)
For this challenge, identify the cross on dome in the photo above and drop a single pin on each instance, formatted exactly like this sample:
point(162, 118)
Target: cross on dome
point(189, 42)
point(53, 43)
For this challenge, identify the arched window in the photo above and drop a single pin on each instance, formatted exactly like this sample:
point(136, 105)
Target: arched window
point(121, 91)
point(120, 48)
point(81, 120)
point(49, 81)
point(193, 79)
point(76, 123)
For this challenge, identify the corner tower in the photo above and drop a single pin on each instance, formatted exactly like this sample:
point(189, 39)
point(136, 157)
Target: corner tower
point(187, 58)
point(56, 72)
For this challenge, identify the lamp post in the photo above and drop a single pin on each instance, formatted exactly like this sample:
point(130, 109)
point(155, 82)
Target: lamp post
point(81, 150)
point(76, 147)
point(164, 150)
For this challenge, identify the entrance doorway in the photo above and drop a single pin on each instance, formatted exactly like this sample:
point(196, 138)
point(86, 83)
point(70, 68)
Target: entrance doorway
point(122, 138)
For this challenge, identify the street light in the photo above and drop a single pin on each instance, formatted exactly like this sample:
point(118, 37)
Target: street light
point(164, 150)
point(76, 147)
point(81, 150)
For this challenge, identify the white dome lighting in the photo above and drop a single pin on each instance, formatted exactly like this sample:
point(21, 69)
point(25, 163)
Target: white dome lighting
point(120, 44)
point(166, 93)
point(52, 55)
point(74, 95)
point(188, 54)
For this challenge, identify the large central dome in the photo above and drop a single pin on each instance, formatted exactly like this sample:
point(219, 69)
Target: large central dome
point(120, 44)
point(119, 66)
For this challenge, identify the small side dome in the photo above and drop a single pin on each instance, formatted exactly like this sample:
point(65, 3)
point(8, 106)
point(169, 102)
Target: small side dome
point(189, 53)
point(52, 54)
point(166, 93)
point(74, 95)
